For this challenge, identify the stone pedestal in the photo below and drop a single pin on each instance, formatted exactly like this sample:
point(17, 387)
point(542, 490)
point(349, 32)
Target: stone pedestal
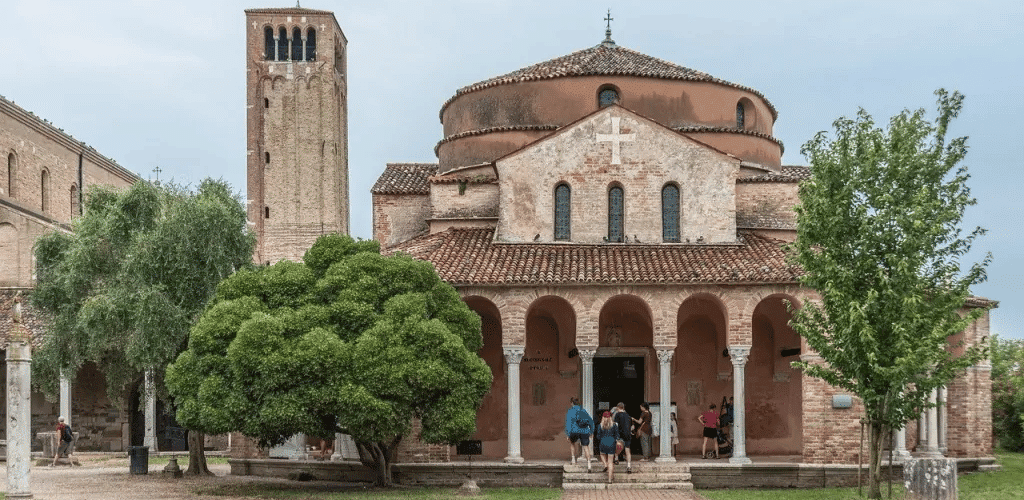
point(930, 479)
point(19, 415)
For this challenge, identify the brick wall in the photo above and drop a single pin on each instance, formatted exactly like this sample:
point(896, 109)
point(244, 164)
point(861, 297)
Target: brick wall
point(397, 218)
point(472, 199)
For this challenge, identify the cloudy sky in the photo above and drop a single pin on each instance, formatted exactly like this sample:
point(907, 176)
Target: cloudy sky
point(162, 82)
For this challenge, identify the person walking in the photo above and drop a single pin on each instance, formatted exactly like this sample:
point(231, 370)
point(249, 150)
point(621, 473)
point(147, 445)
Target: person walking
point(709, 420)
point(578, 425)
point(64, 439)
point(644, 430)
point(624, 422)
point(607, 434)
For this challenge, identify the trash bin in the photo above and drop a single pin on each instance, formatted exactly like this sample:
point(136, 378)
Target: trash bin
point(138, 459)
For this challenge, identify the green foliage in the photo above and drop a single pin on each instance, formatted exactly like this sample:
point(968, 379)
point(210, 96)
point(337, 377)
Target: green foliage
point(1008, 392)
point(350, 341)
point(878, 237)
point(124, 288)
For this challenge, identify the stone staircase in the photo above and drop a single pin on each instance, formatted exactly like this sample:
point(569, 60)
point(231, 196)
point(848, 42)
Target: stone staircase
point(645, 476)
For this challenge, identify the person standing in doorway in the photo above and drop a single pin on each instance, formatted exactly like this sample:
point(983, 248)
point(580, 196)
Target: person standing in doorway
point(606, 435)
point(644, 430)
point(709, 420)
point(578, 427)
point(624, 422)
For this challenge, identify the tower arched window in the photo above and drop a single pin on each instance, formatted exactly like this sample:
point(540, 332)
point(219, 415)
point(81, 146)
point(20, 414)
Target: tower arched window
point(670, 213)
point(44, 190)
point(740, 116)
point(615, 215)
point(269, 46)
point(266, 158)
point(12, 173)
point(607, 96)
point(74, 201)
point(311, 44)
point(296, 44)
point(563, 212)
point(282, 44)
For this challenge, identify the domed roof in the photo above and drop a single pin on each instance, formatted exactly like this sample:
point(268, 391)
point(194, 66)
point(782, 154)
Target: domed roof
point(606, 59)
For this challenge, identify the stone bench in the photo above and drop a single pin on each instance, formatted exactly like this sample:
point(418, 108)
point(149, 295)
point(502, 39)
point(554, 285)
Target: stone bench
point(48, 441)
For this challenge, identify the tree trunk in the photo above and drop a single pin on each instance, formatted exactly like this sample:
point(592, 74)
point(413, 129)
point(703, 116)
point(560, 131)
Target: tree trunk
point(196, 455)
point(875, 444)
point(376, 457)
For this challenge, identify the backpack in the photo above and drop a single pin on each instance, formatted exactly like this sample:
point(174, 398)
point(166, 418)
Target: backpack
point(65, 434)
point(582, 421)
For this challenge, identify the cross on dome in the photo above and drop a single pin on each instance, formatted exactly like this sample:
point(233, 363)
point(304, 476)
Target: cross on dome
point(608, 29)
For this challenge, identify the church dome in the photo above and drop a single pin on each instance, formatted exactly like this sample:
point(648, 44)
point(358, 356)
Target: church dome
point(494, 117)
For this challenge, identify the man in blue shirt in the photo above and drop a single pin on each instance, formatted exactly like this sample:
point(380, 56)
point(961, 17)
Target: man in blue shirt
point(578, 427)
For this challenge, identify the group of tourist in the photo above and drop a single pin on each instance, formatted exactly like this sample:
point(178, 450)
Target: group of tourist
point(616, 429)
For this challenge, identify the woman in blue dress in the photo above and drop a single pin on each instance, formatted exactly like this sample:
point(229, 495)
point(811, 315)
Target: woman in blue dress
point(606, 435)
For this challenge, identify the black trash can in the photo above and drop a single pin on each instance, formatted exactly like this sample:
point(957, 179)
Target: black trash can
point(138, 459)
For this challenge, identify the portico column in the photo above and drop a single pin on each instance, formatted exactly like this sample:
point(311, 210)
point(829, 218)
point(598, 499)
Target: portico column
point(942, 426)
point(150, 390)
point(900, 445)
point(587, 379)
point(739, 354)
point(665, 381)
point(932, 447)
point(65, 397)
point(513, 356)
point(19, 416)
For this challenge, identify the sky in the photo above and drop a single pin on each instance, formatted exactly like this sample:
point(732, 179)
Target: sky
point(161, 83)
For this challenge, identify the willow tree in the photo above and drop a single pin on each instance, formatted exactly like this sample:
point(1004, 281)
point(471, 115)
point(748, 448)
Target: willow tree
point(879, 238)
point(124, 287)
point(348, 341)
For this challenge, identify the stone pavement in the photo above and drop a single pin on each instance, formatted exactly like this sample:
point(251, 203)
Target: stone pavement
point(106, 477)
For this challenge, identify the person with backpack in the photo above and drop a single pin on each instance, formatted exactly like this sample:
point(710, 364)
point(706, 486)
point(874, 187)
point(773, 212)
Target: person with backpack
point(64, 439)
point(578, 427)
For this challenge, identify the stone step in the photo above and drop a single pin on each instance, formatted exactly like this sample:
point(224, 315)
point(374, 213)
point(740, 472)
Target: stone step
point(989, 467)
point(679, 477)
point(628, 486)
point(637, 467)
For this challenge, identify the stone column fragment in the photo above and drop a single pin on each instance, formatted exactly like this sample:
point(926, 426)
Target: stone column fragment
point(19, 415)
point(665, 379)
point(739, 354)
point(513, 356)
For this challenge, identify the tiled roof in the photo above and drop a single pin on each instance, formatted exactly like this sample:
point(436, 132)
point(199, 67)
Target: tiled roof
point(405, 178)
point(471, 257)
point(728, 130)
point(603, 59)
point(789, 173)
point(31, 320)
point(763, 221)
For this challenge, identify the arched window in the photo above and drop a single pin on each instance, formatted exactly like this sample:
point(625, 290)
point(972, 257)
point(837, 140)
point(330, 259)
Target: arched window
point(74, 201)
point(740, 115)
point(44, 190)
point(269, 47)
point(615, 234)
point(266, 158)
point(296, 44)
point(266, 103)
point(282, 44)
point(12, 173)
point(563, 212)
point(311, 44)
point(607, 96)
point(670, 213)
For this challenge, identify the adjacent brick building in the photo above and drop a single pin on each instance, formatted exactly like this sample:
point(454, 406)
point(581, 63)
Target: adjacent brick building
point(618, 222)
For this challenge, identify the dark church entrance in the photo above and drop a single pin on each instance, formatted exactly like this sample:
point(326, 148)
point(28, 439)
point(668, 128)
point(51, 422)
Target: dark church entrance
point(619, 379)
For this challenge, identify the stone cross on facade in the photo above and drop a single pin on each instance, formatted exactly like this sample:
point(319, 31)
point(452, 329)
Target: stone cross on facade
point(616, 138)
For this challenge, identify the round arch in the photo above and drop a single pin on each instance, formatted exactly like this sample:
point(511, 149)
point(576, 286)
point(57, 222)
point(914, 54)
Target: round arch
point(701, 370)
point(773, 387)
point(491, 421)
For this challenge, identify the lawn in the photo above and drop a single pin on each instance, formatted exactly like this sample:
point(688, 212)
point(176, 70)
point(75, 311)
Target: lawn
point(312, 491)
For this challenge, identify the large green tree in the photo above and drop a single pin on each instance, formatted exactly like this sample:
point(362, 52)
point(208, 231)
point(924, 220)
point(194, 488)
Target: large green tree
point(879, 238)
point(1008, 392)
point(348, 341)
point(125, 286)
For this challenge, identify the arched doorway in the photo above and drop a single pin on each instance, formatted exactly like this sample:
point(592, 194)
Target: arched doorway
point(701, 369)
point(774, 390)
point(549, 376)
point(491, 421)
point(625, 368)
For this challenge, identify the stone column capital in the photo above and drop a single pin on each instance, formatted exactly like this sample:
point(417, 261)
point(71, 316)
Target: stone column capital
point(514, 353)
point(587, 355)
point(665, 355)
point(739, 354)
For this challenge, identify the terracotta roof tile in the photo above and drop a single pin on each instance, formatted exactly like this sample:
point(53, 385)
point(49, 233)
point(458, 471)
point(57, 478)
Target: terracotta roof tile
point(789, 174)
point(470, 257)
point(603, 59)
point(405, 178)
point(728, 130)
point(764, 221)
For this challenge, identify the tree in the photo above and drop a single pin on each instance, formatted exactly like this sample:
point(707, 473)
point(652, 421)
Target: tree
point(349, 341)
point(1008, 393)
point(123, 289)
point(879, 239)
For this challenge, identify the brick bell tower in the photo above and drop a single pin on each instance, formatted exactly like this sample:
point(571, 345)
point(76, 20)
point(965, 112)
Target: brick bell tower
point(297, 129)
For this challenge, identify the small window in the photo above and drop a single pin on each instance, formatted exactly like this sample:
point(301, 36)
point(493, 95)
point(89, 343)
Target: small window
point(44, 187)
point(615, 233)
point(670, 213)
point(266, 103)
point(266, 212)
point(74, 201)
point(607, 96)
point(311, 44)
point(563, 212)
point(12, 173)
point(740, 116)
point(296, 44)
point(269, 46)
point(282, 44)
point(266, 158)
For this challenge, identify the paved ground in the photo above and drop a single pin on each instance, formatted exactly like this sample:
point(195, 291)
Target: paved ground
point(105, 477)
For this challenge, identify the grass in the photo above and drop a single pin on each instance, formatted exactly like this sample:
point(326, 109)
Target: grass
point(1004, 484)
point(312, 491)
point(183, 460)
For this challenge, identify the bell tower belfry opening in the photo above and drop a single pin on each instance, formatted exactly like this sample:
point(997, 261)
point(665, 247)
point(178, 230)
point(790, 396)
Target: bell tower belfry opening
point(296, 130)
